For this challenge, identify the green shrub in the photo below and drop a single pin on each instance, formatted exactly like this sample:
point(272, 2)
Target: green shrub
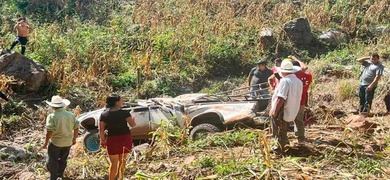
point(125, 80)
point(227, 139)
point(206, 162)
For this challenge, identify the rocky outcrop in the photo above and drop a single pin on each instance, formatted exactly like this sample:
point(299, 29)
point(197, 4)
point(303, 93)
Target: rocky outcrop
point(333, 38)
point(266, 37)
point(13, 153)
point(381, 30)
point(299, 32)
point(32, 74)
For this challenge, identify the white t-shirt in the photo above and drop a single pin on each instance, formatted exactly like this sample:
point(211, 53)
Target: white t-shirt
point(290, 89)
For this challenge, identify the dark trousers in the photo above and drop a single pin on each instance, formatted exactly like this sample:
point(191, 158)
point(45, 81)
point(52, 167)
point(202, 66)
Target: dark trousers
point(387, 102)
point(57, 160)
point(279, 130)
point(22, 41)
point(366, 98)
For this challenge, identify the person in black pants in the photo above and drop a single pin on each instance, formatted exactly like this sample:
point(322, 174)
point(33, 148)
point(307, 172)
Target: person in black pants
point(62, 131)
point(371, 74)
point(22, 28)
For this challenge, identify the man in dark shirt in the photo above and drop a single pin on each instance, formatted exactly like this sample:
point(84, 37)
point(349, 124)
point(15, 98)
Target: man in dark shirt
point(258, 78)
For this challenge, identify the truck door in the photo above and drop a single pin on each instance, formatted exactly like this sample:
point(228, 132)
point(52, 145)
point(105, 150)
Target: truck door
point(142, 119)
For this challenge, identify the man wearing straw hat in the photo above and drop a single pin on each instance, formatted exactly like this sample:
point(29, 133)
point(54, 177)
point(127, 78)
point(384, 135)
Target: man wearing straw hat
point(285, 103)
point(62, 131)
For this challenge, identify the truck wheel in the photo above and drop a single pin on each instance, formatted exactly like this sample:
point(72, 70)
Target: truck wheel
point(202, 130)
point(92, 142)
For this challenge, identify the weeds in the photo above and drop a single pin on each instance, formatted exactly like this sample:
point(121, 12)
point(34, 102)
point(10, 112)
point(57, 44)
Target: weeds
point(172, 47)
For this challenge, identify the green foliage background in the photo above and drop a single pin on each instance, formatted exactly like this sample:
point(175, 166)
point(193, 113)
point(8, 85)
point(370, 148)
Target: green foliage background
point(151, 48)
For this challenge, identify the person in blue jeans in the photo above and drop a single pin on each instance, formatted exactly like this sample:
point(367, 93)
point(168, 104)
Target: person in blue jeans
point(369, 78)
point(62, 131)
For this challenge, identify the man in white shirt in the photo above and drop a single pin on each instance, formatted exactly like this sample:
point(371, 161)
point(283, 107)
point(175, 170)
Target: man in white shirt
point(285, 103)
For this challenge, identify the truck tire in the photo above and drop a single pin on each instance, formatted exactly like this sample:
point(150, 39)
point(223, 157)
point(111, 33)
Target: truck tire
point(203, 129)
point(91, 142)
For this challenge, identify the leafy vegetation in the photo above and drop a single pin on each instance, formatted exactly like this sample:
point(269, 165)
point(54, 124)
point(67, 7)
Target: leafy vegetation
point(155, 48)
point(176, 46)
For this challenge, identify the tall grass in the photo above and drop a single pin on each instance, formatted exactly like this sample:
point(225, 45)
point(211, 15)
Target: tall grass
point(177, 43)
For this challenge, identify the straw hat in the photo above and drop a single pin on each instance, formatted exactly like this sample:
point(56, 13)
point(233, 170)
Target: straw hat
point(57, 101)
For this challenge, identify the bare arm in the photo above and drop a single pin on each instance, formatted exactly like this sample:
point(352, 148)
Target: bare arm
point(249, 80)
point(271, 81)
point(302, 64)
point(28, 25)
point(374, 83)
point(75, 134)
point(49, 134)
point(362, 59)
point(102, 127)
point(131, 121)
point(279, 104)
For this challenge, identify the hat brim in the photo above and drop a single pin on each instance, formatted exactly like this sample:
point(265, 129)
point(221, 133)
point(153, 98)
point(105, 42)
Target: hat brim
point(64, 103)
point(293, 70)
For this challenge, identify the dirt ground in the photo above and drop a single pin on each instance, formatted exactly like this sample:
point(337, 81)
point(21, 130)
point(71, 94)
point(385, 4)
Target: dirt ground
point(340, 145)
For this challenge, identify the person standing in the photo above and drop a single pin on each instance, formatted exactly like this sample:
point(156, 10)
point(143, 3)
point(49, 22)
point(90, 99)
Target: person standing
point(306, 79)
point(277, 62)
point(369, 79)
point(285, 103)
point(118, 141)
point(22, 29)
point(61, 130)
point(274, 69)
point(257, 79)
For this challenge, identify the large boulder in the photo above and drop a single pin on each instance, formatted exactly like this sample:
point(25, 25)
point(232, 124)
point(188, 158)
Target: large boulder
point(333, 38)
point(381, 30)
point(32, 74)
point(299, 32)
point(266, 37)
point(13, 153)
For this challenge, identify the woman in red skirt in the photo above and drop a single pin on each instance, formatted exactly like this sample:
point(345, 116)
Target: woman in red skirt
point(118, 142)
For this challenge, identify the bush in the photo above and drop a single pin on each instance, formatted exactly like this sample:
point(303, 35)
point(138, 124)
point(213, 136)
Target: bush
point(125, 80)
point(347, 89)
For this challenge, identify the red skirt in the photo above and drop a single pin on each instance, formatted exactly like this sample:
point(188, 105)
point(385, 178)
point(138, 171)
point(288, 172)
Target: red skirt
point(119, 144)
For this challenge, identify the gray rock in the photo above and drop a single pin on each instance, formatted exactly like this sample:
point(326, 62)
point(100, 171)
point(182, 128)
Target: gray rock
point(12, 153)
point(11, 158)
point(32, 74)
point(266, 37)
point(299, 32)
point(381, 30)
point(333, 38)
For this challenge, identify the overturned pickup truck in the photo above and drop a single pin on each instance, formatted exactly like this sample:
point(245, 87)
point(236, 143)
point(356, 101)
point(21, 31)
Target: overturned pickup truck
point(205, 113)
